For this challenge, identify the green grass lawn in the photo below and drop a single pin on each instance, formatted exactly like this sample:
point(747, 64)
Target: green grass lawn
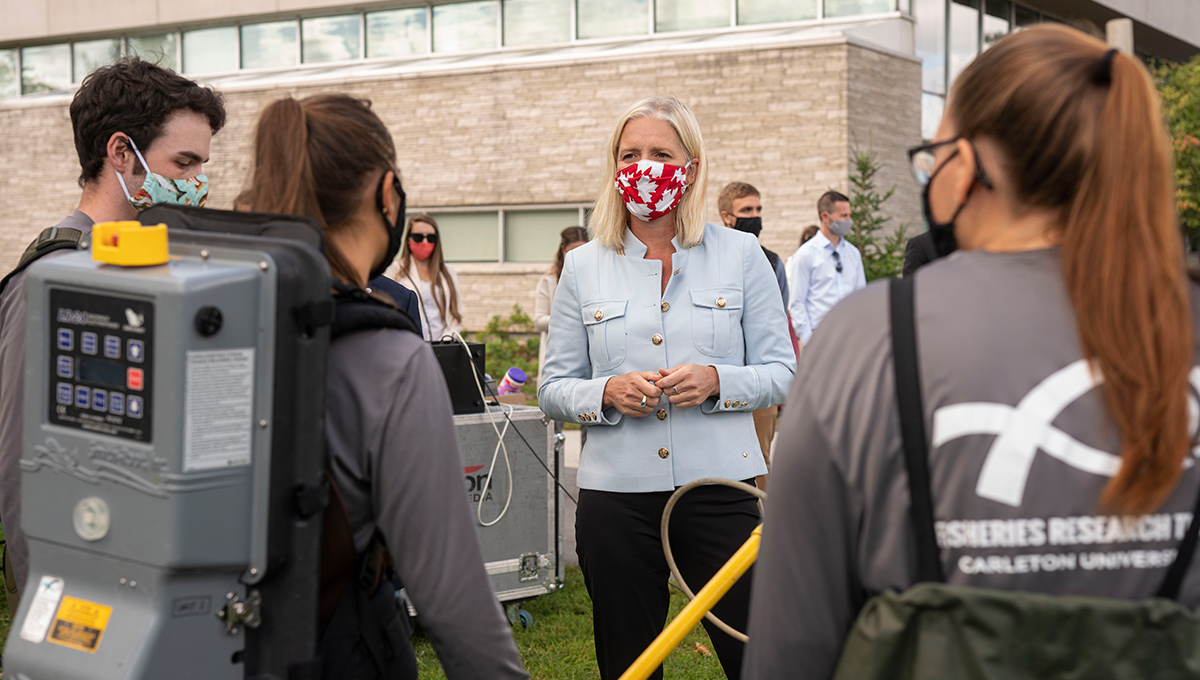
point(559, 643)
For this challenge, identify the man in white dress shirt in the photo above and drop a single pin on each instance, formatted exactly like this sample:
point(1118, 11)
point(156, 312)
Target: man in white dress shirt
point(825, 269)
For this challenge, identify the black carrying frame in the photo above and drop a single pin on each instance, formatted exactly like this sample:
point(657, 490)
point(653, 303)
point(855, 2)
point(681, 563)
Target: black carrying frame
point(284, 646)
point(916, 448)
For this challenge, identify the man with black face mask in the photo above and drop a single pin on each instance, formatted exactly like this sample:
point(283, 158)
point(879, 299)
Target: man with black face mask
point(741, 208)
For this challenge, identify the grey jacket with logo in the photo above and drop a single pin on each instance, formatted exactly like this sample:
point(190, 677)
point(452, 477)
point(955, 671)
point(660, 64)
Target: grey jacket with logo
point(1022, 446)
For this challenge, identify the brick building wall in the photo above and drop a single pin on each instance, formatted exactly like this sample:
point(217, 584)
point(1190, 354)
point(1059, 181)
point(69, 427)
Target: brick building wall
point(781, 118)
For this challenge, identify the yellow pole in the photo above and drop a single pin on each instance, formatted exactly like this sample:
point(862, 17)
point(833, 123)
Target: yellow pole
point(706, 599)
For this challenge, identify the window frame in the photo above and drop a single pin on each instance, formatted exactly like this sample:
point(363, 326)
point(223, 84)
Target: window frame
point(500, 211)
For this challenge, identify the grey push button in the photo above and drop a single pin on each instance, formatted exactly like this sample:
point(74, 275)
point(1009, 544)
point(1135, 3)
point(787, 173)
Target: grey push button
point(135, 406)
point(136, 351)
point(89, 343)
point(99, 400)
point(112, 347)
point(83, 397)
point(66, 339)
point(65, 367)
point(116, 404)
point(65, 393)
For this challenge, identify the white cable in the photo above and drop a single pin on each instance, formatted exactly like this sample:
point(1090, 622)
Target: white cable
point(500, 445)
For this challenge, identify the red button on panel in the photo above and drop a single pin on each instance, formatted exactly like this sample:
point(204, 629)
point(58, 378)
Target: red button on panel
point(133, 378)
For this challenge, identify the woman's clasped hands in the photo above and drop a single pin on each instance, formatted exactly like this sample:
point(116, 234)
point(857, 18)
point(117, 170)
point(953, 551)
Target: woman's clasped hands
point(638, 393)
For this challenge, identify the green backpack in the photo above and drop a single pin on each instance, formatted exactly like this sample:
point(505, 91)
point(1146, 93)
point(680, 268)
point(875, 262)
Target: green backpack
point(934, 630)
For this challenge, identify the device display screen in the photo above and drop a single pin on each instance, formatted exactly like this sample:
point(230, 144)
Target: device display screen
point(107, 373)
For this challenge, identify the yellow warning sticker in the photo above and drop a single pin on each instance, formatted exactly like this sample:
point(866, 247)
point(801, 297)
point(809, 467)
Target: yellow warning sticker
point(79, 624)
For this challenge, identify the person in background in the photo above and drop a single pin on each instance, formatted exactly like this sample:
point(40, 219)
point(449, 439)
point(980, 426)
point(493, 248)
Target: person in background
point(809, 232)
point(825, 269)
point(665, 334)
point(422, 266)
point(570, 239)
point(389, 430)
point(740, 206)
point(1053, 354)
point(142, 134)
point(919, 251)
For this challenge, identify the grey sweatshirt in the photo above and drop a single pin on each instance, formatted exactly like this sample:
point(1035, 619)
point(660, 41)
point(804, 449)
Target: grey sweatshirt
point(1022, 445)
point(393, 454)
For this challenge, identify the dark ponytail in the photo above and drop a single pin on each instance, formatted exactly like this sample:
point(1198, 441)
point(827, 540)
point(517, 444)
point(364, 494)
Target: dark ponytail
point(1081, 129)
point(315, 157)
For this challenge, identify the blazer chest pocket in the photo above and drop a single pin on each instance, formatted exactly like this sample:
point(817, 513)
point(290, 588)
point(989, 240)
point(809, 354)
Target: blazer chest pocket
point(605, 323)
point(716, 321)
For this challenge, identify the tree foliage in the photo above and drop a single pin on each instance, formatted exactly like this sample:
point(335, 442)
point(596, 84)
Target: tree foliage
point(1179, 87)
point(882, 252)
point(511, 341)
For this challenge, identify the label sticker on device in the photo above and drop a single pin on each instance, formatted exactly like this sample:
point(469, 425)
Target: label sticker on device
point(220, 409)
point(80, 624)
point(41, 611)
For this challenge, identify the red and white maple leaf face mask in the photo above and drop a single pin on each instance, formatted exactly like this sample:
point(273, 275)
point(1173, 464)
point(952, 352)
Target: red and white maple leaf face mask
point(652, 189)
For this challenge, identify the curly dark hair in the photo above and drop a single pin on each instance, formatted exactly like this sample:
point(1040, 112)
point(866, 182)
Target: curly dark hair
point(135, 97)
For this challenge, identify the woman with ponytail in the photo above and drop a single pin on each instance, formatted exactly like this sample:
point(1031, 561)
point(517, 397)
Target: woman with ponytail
point(390, 445)
point(1053, 353)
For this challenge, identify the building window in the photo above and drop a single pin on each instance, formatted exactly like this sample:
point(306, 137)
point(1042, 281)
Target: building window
point(932, 108)
point(771, 11)
point(1025, 17)
point(161, 49)
point(10, 82)
point(46, 68)
point(269, 45)
point(398, 32)
point(469, 236)
point(690, 15)
point(536, 22)
point(331, 38)
point(533, 235)
point(612, 18)
point(996, 21)
point(518, 235)
point(210, 50)
point(964, 35)
point(92, 54)
point(466, 26)
point(845, 8)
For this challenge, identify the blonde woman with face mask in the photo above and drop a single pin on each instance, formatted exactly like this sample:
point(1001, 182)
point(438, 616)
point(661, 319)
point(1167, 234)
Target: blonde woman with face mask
point(665, 335)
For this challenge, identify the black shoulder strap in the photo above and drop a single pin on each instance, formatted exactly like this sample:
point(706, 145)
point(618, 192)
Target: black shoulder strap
point(1183, 559)
point(912, 428)
point(50, 240)
point(357, 311)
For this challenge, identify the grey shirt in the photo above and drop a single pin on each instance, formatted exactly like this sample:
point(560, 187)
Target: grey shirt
point(1022, 445)
point(12, 411)
point(392, 451)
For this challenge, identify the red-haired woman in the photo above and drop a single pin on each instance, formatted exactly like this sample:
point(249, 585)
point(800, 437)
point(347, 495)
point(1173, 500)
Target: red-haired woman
point(1053, 352)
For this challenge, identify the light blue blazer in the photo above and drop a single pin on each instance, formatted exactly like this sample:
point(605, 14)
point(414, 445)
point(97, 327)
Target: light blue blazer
point(721, 308)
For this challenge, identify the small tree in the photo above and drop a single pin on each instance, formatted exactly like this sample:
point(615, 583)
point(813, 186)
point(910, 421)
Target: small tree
point(508, 342)
point(882, 253)
point(1179, 87)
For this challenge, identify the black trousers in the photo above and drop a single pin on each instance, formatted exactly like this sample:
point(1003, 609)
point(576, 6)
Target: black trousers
point(620, 552)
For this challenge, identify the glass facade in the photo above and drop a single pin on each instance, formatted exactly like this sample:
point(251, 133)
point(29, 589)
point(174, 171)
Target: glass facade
point(91, 55)
point(997, 20)
point(398, 32)
point(10, 80)
point(772, 11)
point(690, 15)
point(269, 45)
point(331, 38)
point(210, 50)
point(466, 26)
point(533, 235)
point(847, 8)
point(964, 34)
point(161, 48)
point(612, 18)
point(526, 234)
point(469, 236)
point(536, 22)
point(46, 68)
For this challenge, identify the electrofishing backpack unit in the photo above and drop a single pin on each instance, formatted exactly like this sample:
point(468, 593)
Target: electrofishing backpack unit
point(935, 630)
point(173, 454)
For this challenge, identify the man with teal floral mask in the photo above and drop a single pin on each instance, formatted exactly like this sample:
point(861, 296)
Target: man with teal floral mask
point(135, 125)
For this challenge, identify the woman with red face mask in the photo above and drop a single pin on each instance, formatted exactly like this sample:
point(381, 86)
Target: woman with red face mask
point(423, 268)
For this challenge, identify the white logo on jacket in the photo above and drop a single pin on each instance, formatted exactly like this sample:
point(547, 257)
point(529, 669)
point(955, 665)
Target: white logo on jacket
point(1028, 427)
